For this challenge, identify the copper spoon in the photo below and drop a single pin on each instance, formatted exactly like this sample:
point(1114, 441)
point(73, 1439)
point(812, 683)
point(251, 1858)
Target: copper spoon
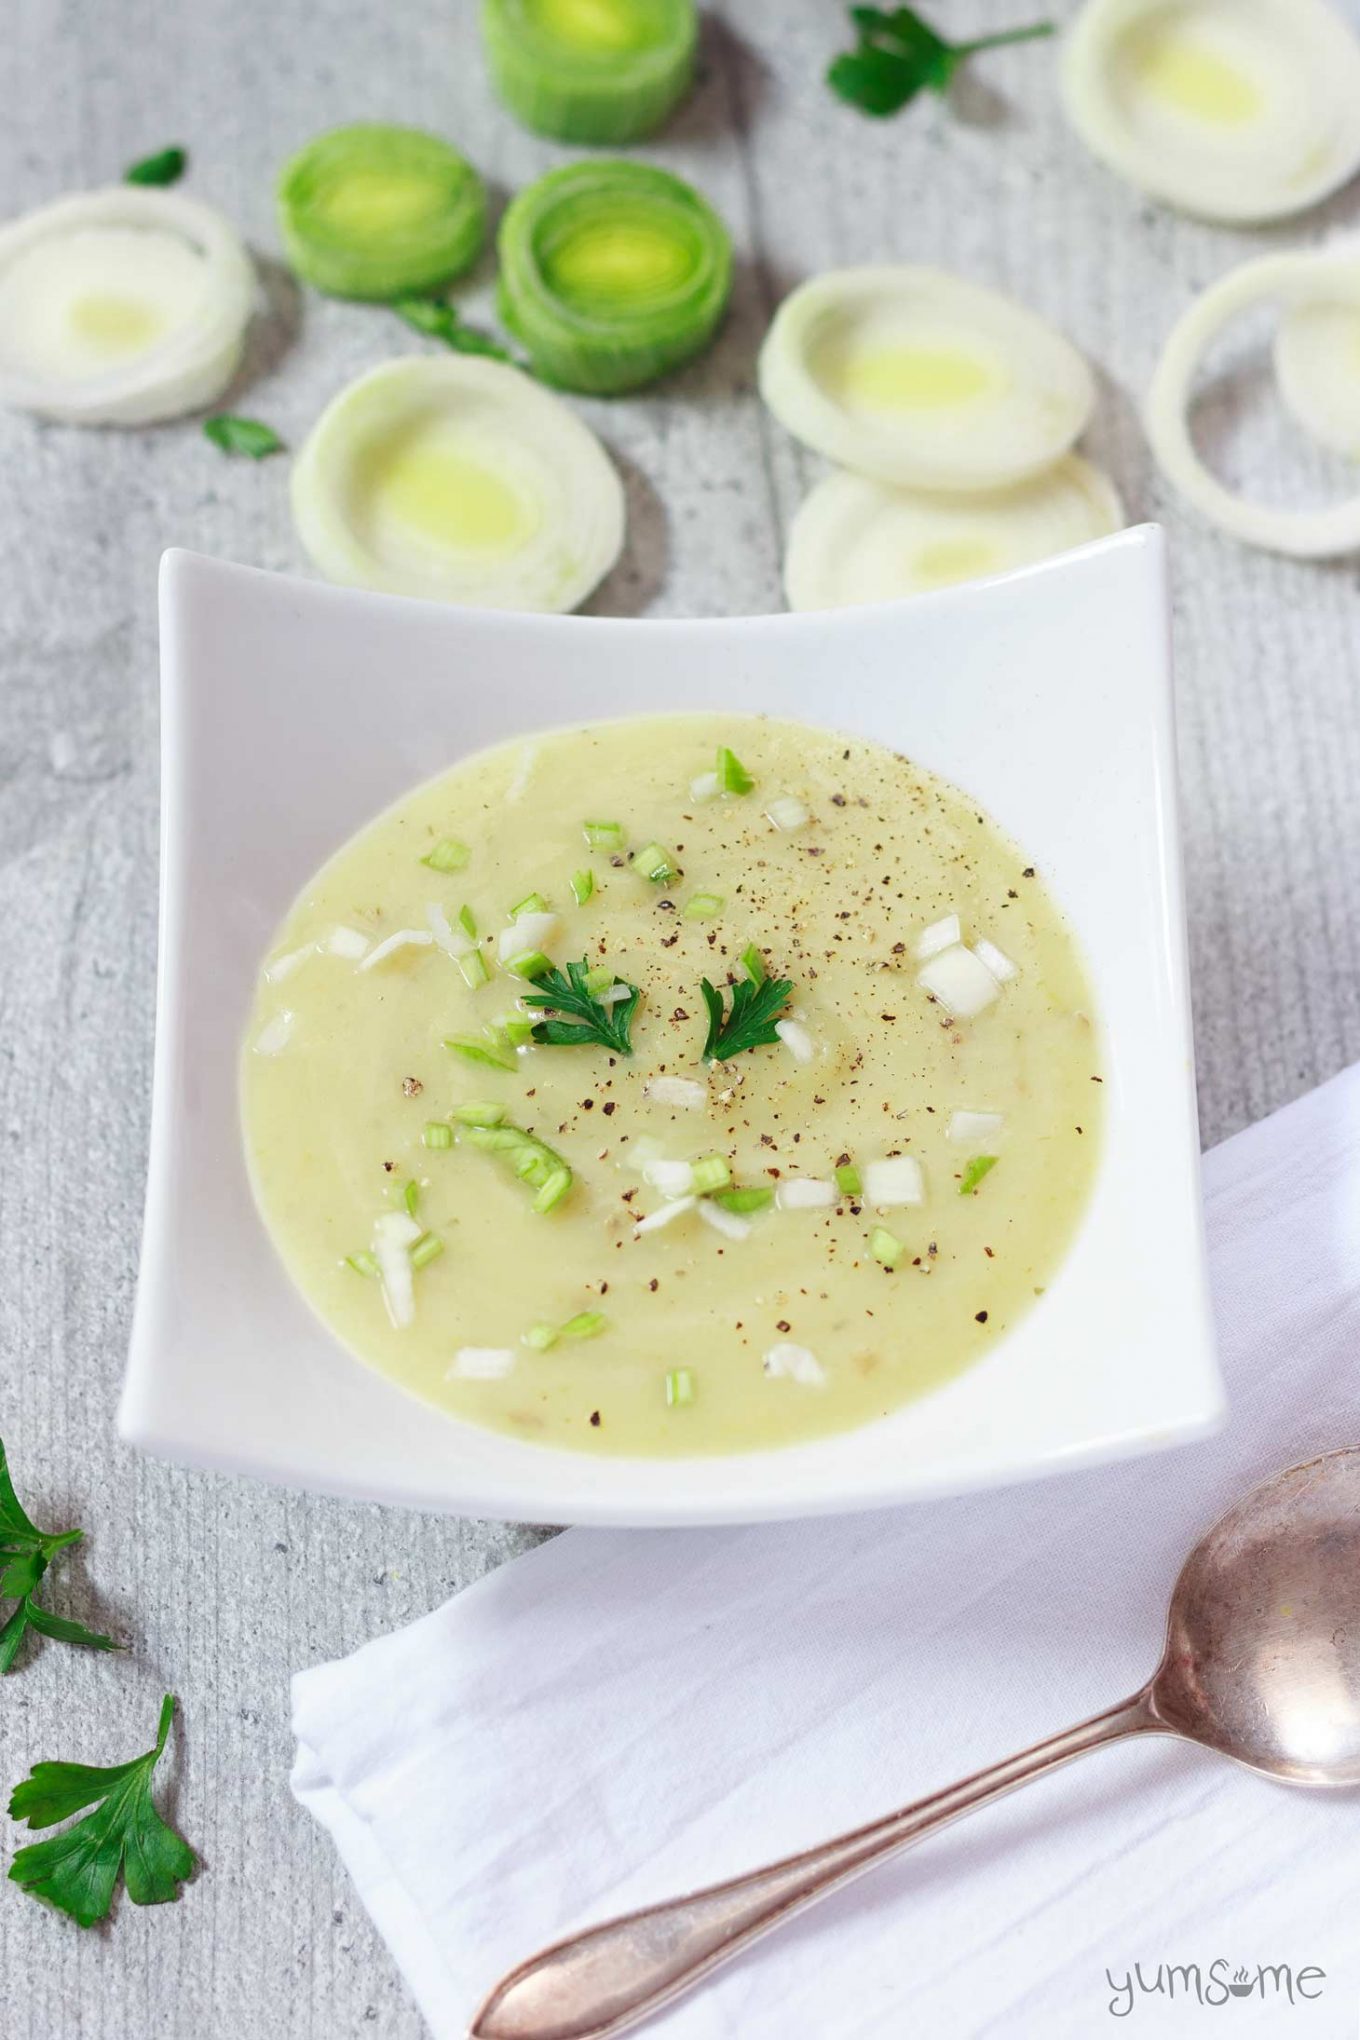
point(1262, 1664)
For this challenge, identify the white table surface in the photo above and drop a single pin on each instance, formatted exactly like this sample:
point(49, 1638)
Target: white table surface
point(223, 1588)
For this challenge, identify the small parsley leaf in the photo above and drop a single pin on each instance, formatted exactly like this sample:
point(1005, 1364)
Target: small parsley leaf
point(242, 435)
point(749, 1021)
point(167, 166)
point(590, 1021)
point(25, 1554)
point(898, 54)
point(76, 1871)
point(439, 321)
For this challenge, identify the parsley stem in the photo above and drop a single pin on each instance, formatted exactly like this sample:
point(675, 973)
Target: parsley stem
point(1037, 31)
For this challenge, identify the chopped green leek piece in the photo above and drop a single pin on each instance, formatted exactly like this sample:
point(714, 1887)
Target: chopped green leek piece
point(363, 1263)
point(603, 835)
point(679, 1387)
point(612, 274)
point(372, 211)
point(515, 1031)
point(532, 903)
point(553, 1191)
point(710, 1173)
point(732, 774)
point(599, 979)
point(410, 1197)
point(447, 855)
point(582, 886)
point(437, 1135)
point(980, 1166)
point(473, 967)
point(705, 906)
point(849, 1181)
point(467, 921)
point(655, 863)
point(753, 963)
point(484, 1048)
point(587, 1324)
point(540, 1337)
point(532, 1160)
point(426, 1249)
point(605, 71)
point(754, 1198)
point(165, 167)
point(885, 1246)
point(531, 964)
point(477, 1112)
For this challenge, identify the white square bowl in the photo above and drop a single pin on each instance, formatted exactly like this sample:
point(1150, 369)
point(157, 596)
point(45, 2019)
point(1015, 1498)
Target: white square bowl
point(292, 712)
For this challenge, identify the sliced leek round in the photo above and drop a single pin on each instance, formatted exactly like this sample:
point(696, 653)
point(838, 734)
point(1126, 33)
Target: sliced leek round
point(1317, 365)
point(460, 480)
point(380, 212)
point(1303, 279)
point(602, 71)
point(858, 540)
point(921, 379)
point(121, 307)
point(1229, 109)
point(612, 273)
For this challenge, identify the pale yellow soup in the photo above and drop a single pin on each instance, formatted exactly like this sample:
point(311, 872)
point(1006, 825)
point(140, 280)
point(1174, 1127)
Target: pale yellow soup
point(707, 1343)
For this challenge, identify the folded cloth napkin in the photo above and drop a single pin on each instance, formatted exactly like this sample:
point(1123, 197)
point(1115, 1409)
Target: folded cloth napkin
point(618, 1717)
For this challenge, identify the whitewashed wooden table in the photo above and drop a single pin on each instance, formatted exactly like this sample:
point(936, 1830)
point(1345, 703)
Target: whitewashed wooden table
point(222, 1588)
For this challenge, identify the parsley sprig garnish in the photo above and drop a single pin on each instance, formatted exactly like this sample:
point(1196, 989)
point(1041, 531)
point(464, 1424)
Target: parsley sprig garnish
point(749, 1021)
point(76, 1871)
point(897, 55)
point(25, 1554)
point(590, 1020)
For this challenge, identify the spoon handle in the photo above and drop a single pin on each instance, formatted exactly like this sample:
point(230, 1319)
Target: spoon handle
point(603, 1980)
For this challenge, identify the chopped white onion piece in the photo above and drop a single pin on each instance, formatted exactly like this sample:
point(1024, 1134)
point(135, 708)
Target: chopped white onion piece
point(996, 960)
point(786, 812)
point(527, 931)
point(974, 1126)
point(922, 379)
point(683, 1092)
point(405, 938)
point(275, 1035)
point(794, 1363)
point(524, 766)
point(672, 1179)
point(663, 1215)
point(804, 1193)
point(461, 480)
point(939, 935)
point(960, 981)
point(282, 967)
point(123, 306)
point(898, 1180)
point(346, 942)
point(796, 1040)
point(394, 1234)
point(1242, 110)
point(730, 1224)
point(705, 787)
point(453, 941)
point(482, 1363)
point(614, 995)
point(855, 540)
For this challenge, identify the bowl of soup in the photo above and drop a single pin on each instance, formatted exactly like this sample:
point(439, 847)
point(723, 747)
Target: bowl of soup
point(670, 1072)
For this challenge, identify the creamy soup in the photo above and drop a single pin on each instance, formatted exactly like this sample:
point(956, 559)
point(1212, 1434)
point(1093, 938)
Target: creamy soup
point(642, 1216)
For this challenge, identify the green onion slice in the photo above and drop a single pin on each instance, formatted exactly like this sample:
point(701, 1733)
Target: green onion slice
point(705, 906)
point(612, 273)
point(590, 71)
point(753, 963)
point(710, 1173)
point(536, 1164)
point(679, 1387)
point(448, 854)
point(587, 1324)
point(381, 212)
point(980, 1166)
point(582, 886)
point(849, 1181)
point(467, 921)
point(363, 1263)
point(655, 863)
point(732, 774)
point(603, 835)
point(473, 967)
point(754, 1198)
point(482, 1048)
point(885, 1247)
point(437, 1135)
point(426, 1249)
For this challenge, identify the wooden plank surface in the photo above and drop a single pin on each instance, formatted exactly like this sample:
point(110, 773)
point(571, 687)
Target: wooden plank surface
point(223, 1588)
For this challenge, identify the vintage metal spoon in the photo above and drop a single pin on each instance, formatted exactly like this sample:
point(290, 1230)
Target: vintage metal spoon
point(1262, 1663)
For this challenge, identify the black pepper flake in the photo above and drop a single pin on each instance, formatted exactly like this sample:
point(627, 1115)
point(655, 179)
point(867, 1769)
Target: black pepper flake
point(666, 906)
point(389, 1166)
point(653, 1285)
point(1028, 871)
point(587, 1104)
point(783, 1325)
point(412, 1086)
point(607, 1107)
point(679, 1014)
point(595, 1419)
point(981, 1316)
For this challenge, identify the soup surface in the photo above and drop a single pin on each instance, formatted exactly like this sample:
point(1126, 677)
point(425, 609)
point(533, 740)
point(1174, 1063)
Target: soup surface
point(848, 1211)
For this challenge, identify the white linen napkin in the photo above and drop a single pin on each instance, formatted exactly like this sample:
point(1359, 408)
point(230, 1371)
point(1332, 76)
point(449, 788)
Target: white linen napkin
point(620, 1716)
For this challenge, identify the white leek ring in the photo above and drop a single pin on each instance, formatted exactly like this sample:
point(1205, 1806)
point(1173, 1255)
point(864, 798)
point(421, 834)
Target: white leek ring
point(459, 480)
point(1302, 278)
point(121, 307)
point(1317, 366)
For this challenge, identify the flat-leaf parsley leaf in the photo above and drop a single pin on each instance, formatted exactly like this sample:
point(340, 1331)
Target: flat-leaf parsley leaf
point(584, 1017)
point(898, 55)
point(25, 1554)
point(165, 167)
point(242, 435)
point(76, 1871)
point(749, 1021)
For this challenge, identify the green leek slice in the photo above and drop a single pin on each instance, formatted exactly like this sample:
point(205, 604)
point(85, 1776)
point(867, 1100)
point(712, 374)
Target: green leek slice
point(612, 273)
point(460, 480)
point(380, 212)
point(601, 71)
